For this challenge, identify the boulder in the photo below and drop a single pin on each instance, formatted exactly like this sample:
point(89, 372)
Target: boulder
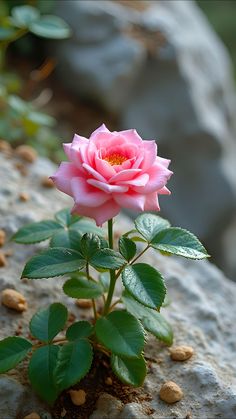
point(202, 313)
point(161, 69)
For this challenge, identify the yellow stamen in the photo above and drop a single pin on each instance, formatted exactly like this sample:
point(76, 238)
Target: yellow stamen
point(115, 159)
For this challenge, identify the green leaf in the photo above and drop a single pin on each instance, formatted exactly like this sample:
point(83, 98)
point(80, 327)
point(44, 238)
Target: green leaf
point(65, 218)
point(36, 232)
point(23, 16)
point(79, 330)
point(41, 372)
point(145, 284)
point(120, 332)
point(49, 26)
point(148, 225)
point(151, 320)
point(86, 226)
point(74, 361)
point(47, 323)
point(127, 248)
point(129, 371)
point(82, 288)
point(90, 244)
point(53, 262)
point(69, 239)
point(179, 242)
point(107, 258)
point(12, 351)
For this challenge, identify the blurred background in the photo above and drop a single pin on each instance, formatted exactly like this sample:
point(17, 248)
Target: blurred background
point(164, 67)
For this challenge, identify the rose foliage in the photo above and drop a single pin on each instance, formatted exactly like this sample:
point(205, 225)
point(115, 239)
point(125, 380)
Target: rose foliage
point(107, 172)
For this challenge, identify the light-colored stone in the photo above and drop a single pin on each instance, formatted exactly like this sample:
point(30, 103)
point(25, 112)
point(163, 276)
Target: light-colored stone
point(78, 397)
point(24, 197)
point(13, 299)
point(107, 407)
point(181, 353)
point(170, 392)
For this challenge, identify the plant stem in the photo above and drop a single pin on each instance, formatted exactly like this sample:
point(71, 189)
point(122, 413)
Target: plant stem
point(112, 272)
point(140, 254)
point(93, 301)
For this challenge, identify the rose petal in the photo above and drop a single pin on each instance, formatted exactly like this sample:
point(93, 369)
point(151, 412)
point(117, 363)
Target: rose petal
point(104, 168)
point(86, 195)
point(164, 191)
point(132, 136)
point(124, 175)
point(151, 202)
point(93, 172)
point(102, 128)
point(130, 200)
point(138, 181)
point(63, 176)
point(149, 154)
point(100, 214)
point(163, 162)
point(106, 187)
point(158, 177)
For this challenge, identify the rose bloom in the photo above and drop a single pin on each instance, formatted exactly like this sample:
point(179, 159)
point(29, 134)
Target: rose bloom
point(110, 171)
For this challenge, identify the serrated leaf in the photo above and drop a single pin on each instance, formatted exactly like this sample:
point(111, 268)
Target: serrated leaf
point(65, 218)
point(127, 248)
point(12, 351)
point(145, 284)
point(69, 239)
point(82, 288)
point(90, 244)
point(129, 371)
point(151, 320)
point(74, 361)
point(50, 26)
point(79, 330)
point(36, 232)
point(107, 258)
point(41, 372)
point(53, 262)
point(121, 333)
point(85, 226)
point(148, 225)
point(48, 322)
point(179, 242)
point(23, 16)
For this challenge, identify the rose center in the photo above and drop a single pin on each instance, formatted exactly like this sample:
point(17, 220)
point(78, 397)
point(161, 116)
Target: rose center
point(115, 159)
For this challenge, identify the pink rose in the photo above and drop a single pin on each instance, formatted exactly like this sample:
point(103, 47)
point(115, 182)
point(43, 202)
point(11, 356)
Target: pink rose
point(110, 171)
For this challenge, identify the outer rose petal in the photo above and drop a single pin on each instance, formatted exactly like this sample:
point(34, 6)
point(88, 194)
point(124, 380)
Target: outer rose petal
point(63, 176)
point(130, 200)
point(151, 203)
point(138, 181)
point(124, 175)
point(106, 187)
point(158, 176)
point(132, 136)
point(149, 154)
point(102, 128)
point(100, 214)
point(86, 195)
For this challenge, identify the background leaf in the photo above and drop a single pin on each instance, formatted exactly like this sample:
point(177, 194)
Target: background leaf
point(120, 332)
point(127, 248)
point(79, 330)
point(23, 16)
point(69, 239)
point(129, 371)
point(12, 351)
point(145, 284)
point(36, 232)
point(74, 361)
point(53, 262)
point(148, 225)
point(107, 258)
point(151, 320)
point(41, 372)
point(47, 323)
point(82, 288)
point(179, 242)
point(49, 26)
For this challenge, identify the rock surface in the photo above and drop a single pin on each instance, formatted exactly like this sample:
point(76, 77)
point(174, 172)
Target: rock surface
point(202, 314)
point(160, 67)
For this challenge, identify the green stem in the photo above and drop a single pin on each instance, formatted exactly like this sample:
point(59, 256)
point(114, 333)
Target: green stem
point(112, 272)
point(140, 254)
point(93, 301)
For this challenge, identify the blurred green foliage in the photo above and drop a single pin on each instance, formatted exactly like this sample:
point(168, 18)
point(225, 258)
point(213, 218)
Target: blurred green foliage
point(222, 15)
point(20, 121)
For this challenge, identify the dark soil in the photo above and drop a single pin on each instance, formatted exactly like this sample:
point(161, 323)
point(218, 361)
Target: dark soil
point(94, 384)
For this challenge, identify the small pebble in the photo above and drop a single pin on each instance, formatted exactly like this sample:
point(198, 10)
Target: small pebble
point(63, 412)
point(32, 415)
point(26, 153)
point(24, 196)
point(170, 392)
point(181, 353)
point(78, 397)
point(21, 168)
point(5, 147)
point(46, 182)
point(13, 299)
point(108, 381)
point(3, 261)
point(84, 303)
point(2, 237)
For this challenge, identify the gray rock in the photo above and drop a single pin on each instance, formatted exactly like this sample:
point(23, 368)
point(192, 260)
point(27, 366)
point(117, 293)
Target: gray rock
point(202, 314)
point(164, 71)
